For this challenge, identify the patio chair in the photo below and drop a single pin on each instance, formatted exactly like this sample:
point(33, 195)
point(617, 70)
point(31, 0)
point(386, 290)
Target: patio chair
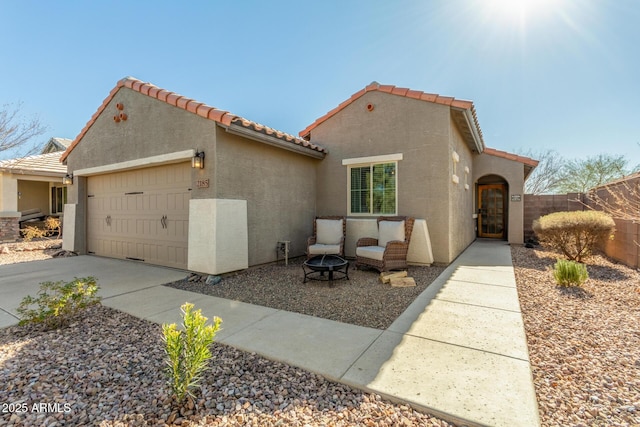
point(328, 236)
point(389, 250)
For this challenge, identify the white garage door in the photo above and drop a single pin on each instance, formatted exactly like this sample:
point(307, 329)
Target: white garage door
point(141, 214)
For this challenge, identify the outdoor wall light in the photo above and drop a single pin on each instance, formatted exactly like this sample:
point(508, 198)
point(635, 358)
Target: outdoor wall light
point(67, 179)
point(197, 162)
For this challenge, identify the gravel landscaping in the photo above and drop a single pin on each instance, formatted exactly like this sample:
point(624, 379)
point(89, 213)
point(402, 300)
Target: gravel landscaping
point(584, 346)
point(584, 343)
point(107, 369)
point(11, 253)
point(362, 300)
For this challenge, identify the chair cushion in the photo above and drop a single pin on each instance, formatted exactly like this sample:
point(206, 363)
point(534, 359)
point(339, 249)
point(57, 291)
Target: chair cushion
point(389, 231)
point(329, 231)
point(320, 249)
point(372, 252)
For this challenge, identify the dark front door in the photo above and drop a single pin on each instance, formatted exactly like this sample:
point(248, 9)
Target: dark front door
point(492, 212)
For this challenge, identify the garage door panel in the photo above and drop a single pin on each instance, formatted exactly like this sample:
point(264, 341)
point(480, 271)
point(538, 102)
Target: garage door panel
point(137, 228)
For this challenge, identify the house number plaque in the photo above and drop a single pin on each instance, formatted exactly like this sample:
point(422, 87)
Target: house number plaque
point(202, 183)
point(516, 197)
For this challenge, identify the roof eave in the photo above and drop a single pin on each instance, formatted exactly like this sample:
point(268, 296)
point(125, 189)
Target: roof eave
point(237, 129)
point(18, 171)
point(478, 142)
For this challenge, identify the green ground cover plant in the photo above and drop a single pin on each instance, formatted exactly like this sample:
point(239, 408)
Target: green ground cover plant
point(58, 302)
point(570, 273)
point(575, 234)
point(188, 351)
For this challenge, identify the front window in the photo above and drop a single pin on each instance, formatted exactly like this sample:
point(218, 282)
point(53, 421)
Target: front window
point(372, 189)
point(58, 199)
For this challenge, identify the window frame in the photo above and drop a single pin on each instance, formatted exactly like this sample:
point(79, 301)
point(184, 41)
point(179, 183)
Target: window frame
point(54, 198)
point(370, 162)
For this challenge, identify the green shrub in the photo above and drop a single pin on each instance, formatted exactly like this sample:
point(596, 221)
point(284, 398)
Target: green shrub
point(575, 234)
point(188, 351)
point(570, 273)
point(58, 302)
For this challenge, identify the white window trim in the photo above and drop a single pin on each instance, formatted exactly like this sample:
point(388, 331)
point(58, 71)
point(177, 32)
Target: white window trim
point(379, 160)
point(386, 158)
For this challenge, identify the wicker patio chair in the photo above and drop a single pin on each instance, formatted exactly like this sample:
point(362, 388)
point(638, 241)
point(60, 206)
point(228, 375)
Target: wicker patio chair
point(328, 236)
point(389, 251)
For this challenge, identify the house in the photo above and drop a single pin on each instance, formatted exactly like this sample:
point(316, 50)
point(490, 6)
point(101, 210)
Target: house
point(168, 180)
point(431, 148)
point(32, 184)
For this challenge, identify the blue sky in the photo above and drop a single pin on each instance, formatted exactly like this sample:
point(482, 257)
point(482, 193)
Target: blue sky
point(543, 74)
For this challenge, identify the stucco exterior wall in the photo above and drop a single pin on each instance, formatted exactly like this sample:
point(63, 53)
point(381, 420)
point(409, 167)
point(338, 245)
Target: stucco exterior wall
point(513, 173)
point(279, 187)
point(152, 128)
point(417, 129)
point(33, 195)
point(461, 195)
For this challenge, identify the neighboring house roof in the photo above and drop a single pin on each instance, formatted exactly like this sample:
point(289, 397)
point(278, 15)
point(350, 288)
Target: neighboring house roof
point(222, 117)
point(529, 163)
point(622, 180)
point(56, 144)
point(464, 111)
point(41, 164)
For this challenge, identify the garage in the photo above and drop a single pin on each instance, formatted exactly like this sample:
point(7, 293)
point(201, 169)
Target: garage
point(140, 214)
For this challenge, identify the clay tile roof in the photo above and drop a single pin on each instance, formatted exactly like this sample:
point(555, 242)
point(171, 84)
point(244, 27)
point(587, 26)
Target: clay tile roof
point(408, 93)
point(521, 159)
point(211, 113)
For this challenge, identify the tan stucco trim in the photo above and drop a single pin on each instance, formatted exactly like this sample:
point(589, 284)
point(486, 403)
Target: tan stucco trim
point(162, 159)
point(372, 159)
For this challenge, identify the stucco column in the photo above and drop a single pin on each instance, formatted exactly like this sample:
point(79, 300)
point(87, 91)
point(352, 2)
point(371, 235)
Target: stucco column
point(8, 193)
point(9, 215)
point(74, 235)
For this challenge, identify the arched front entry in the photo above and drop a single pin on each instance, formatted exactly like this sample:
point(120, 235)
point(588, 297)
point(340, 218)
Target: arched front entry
point(493, 215)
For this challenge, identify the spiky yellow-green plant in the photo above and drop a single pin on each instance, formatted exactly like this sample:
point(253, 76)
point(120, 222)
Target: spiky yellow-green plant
point(188, 351)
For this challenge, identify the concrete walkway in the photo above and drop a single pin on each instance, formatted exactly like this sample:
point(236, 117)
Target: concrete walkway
point(459, 351)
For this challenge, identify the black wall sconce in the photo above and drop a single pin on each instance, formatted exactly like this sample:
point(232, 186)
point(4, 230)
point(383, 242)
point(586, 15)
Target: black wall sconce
point(67, 179)
point(197, 162)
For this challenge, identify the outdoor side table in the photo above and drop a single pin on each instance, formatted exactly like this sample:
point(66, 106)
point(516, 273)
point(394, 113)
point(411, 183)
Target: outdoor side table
point(316, 267)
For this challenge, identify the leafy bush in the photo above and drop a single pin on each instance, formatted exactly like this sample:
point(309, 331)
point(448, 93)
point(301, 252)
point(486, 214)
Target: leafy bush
point(58, 302)
point(188, 351)
point(575, 234)
point(570, 273)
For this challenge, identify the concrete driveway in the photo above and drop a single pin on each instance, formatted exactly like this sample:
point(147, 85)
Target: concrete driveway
point(115, 277)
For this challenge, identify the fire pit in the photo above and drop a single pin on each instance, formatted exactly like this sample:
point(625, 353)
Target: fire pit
point(332, 264)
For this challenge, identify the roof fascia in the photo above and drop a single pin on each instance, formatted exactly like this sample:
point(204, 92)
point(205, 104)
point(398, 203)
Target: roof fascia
point(32, 172)
point(477, 139)
point(240, 130)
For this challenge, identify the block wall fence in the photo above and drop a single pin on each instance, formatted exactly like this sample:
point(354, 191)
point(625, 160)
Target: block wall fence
point(625, 246)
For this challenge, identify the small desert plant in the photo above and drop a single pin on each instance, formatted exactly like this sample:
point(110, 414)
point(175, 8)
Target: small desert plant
point(575, 234)
point(188, 351)
point(58, 302)
point(51, 227)
point(570, 273)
